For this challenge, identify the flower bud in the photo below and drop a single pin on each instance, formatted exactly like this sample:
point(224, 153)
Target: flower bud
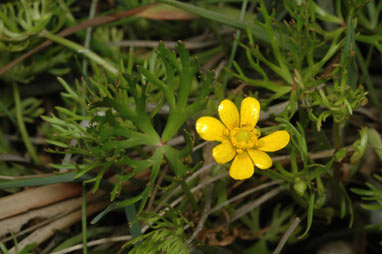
point(299, 186)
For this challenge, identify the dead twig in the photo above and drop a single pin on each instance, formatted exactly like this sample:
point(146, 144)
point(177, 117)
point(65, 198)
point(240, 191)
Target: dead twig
point(121, 238)
point(252, 205)
point(246, 193)
point(287, 234)
point(200, 186)
point(204, 216)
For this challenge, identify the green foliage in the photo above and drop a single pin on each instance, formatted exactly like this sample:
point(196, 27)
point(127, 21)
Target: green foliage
point(126, 125)
point(373, 194)
point(117, 120)
point(21, 21)
point(53, 62)
point(300, 63)
point(167, 235)
point(26, 250)
point(375, 140)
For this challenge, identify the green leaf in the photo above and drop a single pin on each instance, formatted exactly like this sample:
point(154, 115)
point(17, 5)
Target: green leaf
point(375, 140)
point(360, 145)
point(28, 248)
point(349, 204)
point(132, 200)
point(131, 213)
point(3, 248)
point(309, 216)
point(372, 206)
point(156, 162)
point(117, 205)
point(362, 192)
point(108, 209)
point(218, 17)
point(259, 247)
point(37, 181)
point(69, 91)
point(56, 143)
point(83, 168)
point(324, 15)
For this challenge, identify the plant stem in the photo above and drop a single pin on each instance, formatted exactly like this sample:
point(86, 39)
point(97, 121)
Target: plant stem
point(79, 49)
point(93, 8)
point(21, 125)
point(235, 43)
point(336, 136)
point(84, 225)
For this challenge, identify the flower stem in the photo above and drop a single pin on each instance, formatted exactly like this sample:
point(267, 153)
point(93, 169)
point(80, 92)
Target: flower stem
point(21, 125)
point(79, 49)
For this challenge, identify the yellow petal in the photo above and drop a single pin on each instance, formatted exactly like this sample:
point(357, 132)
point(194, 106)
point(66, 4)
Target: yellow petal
point(224, 152)
point(242, 167)
point(249, 112)
point(229, 114)
point(210, 129)
point(260, 159)
point(274, 141)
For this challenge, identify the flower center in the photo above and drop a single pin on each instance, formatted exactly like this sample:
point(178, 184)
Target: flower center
point(243, 138)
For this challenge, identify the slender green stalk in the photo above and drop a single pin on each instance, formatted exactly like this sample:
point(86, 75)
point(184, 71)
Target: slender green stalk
point(80, 49)
point(3, 248)
point(337, 136)
point(92, 12)
point(235, 42)
point(84, 219)
point(21, 124)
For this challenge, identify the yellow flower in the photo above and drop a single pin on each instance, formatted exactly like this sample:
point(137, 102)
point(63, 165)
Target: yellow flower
point(239, 139)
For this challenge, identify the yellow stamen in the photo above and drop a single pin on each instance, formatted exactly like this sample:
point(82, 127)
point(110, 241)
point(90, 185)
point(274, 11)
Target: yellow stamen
point(243, 138)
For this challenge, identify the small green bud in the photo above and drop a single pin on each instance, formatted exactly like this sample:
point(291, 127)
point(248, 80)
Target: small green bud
point(299, 186)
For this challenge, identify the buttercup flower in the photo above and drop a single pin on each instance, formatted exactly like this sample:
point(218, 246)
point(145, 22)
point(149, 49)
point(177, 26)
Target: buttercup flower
point(239, 139)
